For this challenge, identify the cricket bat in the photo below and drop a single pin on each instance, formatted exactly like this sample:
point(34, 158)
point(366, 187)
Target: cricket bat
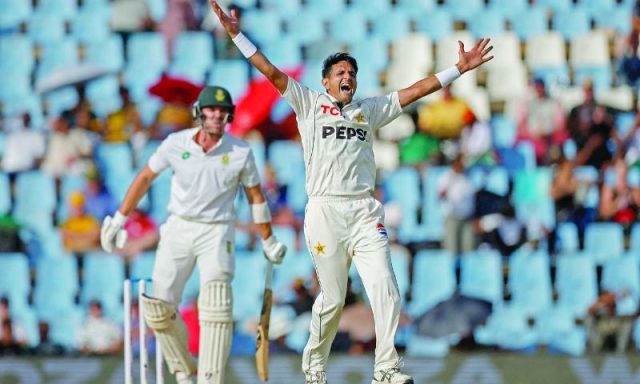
point(262, 339)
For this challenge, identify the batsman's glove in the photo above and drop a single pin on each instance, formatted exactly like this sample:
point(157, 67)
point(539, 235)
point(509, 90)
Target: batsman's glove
point(112, 232)
point(274, 250)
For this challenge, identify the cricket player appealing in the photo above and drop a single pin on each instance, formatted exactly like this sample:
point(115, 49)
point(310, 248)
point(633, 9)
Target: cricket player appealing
point(208, 168)
point(343, 222)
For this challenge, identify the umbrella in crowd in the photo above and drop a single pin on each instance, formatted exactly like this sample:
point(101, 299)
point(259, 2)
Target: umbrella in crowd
point(457, 316)
point(174, 89)
point(72, 75)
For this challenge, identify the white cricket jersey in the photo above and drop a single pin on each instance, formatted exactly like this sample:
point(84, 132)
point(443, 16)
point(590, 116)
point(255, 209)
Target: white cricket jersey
point(338, 143)
point(204, 185)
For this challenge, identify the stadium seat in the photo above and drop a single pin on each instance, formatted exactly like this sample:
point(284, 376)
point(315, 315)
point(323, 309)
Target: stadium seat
point(192, 55)
point(434, 280)
point(567, 237)
point(508, 328)
point(66, 9)
point(15, 280)
point(286, 158)
point(614, 19)
point(507, 82)
point(56, 55)
point(35, 195)
point(481, 275)
point(44, 28)
point(438, 25)
point(357, 27)
point(410, 61)
point(556, 329)
point(506, 49)
point(417, 7)
point(529, 23)
point(571, 22)
point(374, 49)
point(508, 7)
point(299, 265)
point(546, 51)
point(402, 186)
point(371, 8)
point(263, 25)
point(589, 50)
point(555, 5)
point(306, 27)
point(141, 267)
point(108, 52)
point(14, 12)
point(16, 55)
point(288, 7)
point(503, 129)
point(530, 281)
point(401, 260)
point(249, 280)
point(146, 52)
point(487, 22)
point(102, 277)
point(56, 286)
point(88, 26)
point(604, 241)
point(447, 48)
point(394, 25)
point(233, 73)
point(431, 228)
point(576, 282)
point(5, 194)
point(497, 181)
point(104, 95)
point(463, 10)
point(159, 197)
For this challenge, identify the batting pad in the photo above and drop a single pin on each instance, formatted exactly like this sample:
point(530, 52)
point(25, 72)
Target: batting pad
point(216, 326)
point(171, 333)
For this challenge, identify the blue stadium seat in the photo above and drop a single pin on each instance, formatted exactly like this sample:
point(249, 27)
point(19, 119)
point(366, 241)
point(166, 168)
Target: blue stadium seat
point(481, 275)
point(35, 198)
point(497, 181)
point(146, 51)
point(233, 73)
point(503, 128)
point(417, 7)
point(508, 7)
point(56, 55)
point(286, 158)
point(357, 27)
point(635, 237)
point(5, 194)
point(16, 55)
point(108, 52)
point(62, 329)
point(567, 237)
point(286, 52)
point(530, 281)
point(394, 25)
point(508, 328)
point(463, 10)
point(263, 25)
point(14, 12)
point(571, 22)
point(371, 8)
point(615, 18)
point(44, 28)
point(529, 23)
point(141, 267)
point(402, 186)
point(306, 28)
point(56, 286)
point(298, 265)
point(193, 54)
point(297, 195)
point(601, 76)
point(555, 5)
point(88, 26)
point(432, 215)
point(622, 277)
point(15, 282)
point(595, 7)
point(434, 280)
point(66, 9)
point(576, 282)
point(556, 329)
point(104, 96)
point(102, 277)
point(374, 49)
point(604, 241)
point(487, 22)
point(157, 9)
point(438, 25)
point(115, 161)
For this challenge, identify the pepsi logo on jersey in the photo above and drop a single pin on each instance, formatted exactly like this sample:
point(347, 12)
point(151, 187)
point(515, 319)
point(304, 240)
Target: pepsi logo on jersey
point(344, 133)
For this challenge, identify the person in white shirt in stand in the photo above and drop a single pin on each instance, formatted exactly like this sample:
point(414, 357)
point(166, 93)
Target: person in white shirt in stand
point(343, 221)
point(208, 168)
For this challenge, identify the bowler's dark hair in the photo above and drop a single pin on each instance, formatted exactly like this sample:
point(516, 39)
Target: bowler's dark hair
point(335, 59)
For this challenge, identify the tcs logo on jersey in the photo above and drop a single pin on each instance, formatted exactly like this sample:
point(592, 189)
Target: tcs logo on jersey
point(330, 109)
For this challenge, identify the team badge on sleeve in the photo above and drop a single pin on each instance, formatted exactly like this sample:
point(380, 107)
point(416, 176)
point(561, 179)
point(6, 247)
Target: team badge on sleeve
point(382, 230)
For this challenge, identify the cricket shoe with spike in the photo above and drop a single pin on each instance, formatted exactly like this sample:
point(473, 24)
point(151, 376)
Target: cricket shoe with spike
point(391, 376)
point(183, 378)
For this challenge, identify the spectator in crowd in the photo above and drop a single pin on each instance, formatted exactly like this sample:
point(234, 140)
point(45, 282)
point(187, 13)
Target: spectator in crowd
point(304, 297)
point(173, 116)
point(276, 195)
point(99, 335)
point(629, 148)
point(456, 192)
point(10, 239)
point(619, 201)
point(542, 121)
point(591, 127)
point(444, 119)
point(507, 234)
point(122, 124)
point(81, 231)
point(46, 346)
point(569, 196)
point(130, 16)
point(99, 201)
point(476, 144)
point(68, 149)
point(627, 52)
point(24, 147)
point(13, 337)
point(605, 329)
point(180, 16)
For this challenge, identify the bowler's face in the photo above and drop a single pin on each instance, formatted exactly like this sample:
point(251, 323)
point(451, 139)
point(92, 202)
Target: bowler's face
point(341, 82)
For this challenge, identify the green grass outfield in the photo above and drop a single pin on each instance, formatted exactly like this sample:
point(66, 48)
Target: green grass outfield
point(491, 367)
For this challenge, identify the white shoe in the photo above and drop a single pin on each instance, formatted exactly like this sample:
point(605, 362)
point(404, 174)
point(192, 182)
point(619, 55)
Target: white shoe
point(392, 376)
point(183, 378)
point(315, 377)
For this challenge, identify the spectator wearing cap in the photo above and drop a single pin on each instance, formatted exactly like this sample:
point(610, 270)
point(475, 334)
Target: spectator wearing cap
point(81, 231)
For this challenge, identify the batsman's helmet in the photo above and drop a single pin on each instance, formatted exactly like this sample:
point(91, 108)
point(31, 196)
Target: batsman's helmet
point(214, 96)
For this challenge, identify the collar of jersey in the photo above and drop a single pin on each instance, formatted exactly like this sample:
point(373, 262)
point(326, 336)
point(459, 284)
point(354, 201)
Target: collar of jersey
point(335, 101)
point(195, 145)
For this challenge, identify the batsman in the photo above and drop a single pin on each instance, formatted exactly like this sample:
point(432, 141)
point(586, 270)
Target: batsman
point(208, 167)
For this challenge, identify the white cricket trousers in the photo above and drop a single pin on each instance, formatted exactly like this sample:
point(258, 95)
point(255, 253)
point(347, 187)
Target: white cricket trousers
point(184, 243)
point(339, 230)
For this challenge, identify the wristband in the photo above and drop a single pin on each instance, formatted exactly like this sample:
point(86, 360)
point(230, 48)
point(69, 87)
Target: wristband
point(261, 213)
point(447, 76)
point(119, 219)
point(245, 45)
